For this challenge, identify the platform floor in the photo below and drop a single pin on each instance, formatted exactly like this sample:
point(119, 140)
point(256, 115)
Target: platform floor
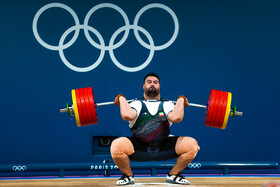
point(142, 181)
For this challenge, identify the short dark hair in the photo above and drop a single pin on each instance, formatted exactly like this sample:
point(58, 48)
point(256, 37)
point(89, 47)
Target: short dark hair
point(153, 75)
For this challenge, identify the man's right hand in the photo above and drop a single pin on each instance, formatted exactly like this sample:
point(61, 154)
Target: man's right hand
point(127, 113)
point(117, 99)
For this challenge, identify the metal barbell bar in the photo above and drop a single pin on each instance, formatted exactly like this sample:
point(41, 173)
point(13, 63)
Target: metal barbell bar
point(71, 108)
point(218, 108)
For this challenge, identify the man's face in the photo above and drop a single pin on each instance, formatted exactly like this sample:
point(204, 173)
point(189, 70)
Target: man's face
point(151, 86)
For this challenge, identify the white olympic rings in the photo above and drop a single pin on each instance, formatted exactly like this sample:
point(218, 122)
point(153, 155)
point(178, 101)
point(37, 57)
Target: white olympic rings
point(126, 28)
point(19, 168)
point(194, 165)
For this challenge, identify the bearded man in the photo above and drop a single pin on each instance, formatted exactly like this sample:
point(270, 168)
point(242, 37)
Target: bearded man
point(150, 118)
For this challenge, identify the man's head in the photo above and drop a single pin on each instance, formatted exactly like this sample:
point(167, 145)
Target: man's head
point(151, 86)
point(151, 74)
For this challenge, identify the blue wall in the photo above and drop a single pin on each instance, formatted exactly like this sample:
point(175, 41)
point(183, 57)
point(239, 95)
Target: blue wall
point(224, 45)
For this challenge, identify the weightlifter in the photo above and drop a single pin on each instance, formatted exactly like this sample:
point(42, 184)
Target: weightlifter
point(150, 118)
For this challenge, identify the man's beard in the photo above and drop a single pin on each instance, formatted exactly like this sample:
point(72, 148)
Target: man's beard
point(151, 92)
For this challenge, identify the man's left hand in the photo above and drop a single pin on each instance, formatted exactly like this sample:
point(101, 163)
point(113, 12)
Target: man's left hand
point(186, 102)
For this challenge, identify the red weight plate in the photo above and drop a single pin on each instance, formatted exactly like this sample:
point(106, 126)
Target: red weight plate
point(86, 97)
point(215, 112)
point(219, 110)
point(83, 102)
point(92, 105)
point(87, 106)
point(218, 123)
point(224, 108)
point(209, 108)
point(80, 108)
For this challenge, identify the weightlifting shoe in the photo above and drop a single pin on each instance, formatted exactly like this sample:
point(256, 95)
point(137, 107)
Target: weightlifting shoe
point(125, 180)
point(176, 179)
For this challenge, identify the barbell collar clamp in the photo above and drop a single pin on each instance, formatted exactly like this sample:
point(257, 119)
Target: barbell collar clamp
point(238, 113)
point(70, 108)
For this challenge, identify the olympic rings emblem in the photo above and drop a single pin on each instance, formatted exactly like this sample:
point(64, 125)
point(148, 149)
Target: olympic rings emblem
point(126, 28)
point(194, 165)
point(19, 168)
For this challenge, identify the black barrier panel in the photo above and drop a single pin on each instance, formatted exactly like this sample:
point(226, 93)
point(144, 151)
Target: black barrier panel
point(153, 166)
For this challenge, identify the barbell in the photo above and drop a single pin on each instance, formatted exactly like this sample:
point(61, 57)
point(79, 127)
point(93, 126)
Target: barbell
point(217, 110)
